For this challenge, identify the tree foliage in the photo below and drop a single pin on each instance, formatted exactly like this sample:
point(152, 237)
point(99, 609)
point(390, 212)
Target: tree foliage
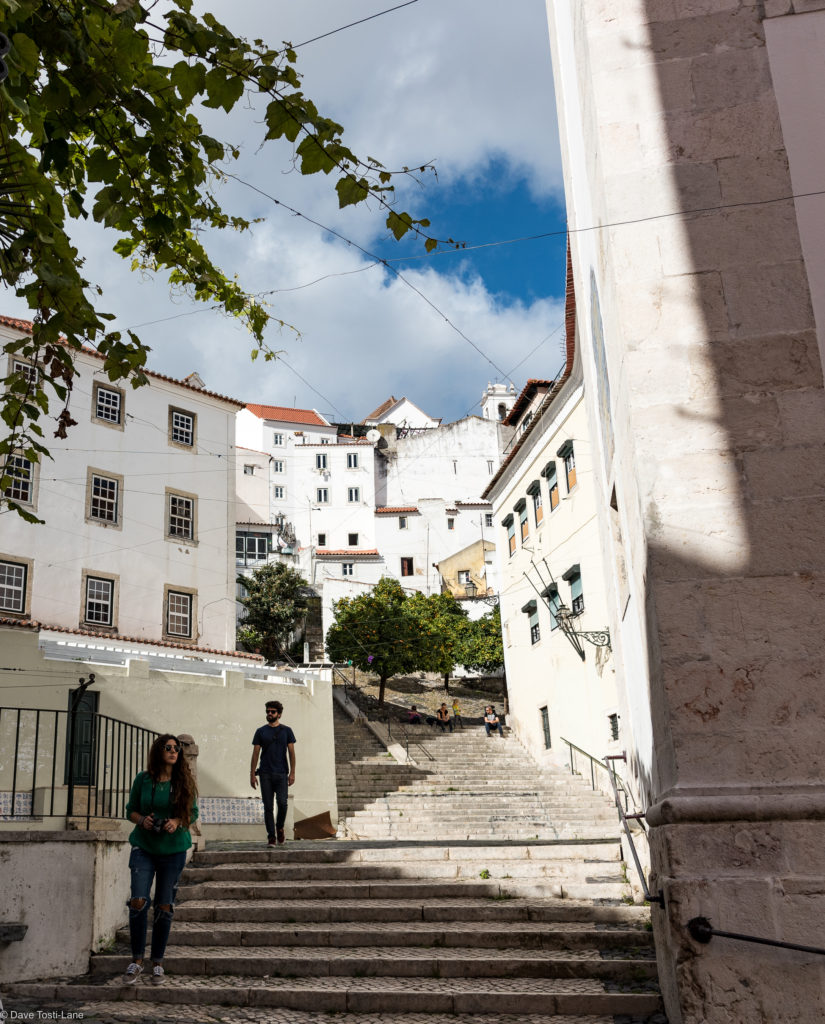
point(443, 626)
point(483, 648)
point(275, 602)
point(98, 119)
point(376, 631)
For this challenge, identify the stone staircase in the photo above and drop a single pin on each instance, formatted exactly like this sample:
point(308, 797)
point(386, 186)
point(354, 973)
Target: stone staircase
point(392, 932)
point(465, 785)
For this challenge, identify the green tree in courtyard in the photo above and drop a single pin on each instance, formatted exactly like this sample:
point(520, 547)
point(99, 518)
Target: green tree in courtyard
point(376, 632)
point(442, 631)
point(484, 650)
point(98, 119)
point(275, 602)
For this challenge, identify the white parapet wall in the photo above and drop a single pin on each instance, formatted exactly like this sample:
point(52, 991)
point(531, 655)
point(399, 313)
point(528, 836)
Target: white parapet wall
point(69, 889)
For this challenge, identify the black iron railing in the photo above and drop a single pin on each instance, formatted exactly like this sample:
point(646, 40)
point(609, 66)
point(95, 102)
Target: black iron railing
point(582, 763)
point(73, 764)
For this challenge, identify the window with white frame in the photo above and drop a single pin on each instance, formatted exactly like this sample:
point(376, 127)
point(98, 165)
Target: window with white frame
point(463, 576)
point(321, 460)
point(324, 440)
point(13, 580)
point(353, 494)
point(98, 605)
point(251, 547)
point(322, 496)
point(524, 525)
point(277, 440)
point(488, 518)
point(490, 466)
point(181, 516)
point(534, 490)
point(549, 473)
point(567, 455)
point(531, 609)
point(347, 568)
point(573, 576)
point(277, 466)
point(179, 613)
point(104, 499)
point(108, 405)
point(182, 427)
point(509, 525)
point(249, 470)
point(278, 492)
point(26, 370)
point(20, 473)
point(352, 460)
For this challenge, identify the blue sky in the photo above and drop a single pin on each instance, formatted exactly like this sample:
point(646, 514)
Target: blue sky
point(464, 83)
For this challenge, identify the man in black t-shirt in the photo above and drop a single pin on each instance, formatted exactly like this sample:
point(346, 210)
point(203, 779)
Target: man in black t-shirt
point(274, 743)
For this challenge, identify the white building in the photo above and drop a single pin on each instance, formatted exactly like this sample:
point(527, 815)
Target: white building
point(348, 510)
point(560, 676)
point(136, 539)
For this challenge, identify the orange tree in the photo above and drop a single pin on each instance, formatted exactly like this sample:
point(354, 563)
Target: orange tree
point(442, 632)
point(376, 632)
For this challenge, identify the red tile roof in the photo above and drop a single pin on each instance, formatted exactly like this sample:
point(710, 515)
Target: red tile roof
point(27, 325)
point(284, 414)
point(382, 408)
point(530, 389)
point(393, 510)
point(349, 552)
point(118, 637)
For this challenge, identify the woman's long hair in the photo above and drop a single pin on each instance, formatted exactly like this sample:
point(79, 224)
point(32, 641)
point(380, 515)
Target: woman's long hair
point(183, 789)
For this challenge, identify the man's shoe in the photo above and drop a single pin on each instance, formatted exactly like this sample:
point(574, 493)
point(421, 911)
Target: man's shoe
point(271, 841)
point(158, 975)
point(281, 837)
point(133, 972)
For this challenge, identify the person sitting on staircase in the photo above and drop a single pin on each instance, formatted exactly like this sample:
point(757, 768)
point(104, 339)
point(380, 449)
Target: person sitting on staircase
point(443, 718)
point(492, 722)
point(413, 717)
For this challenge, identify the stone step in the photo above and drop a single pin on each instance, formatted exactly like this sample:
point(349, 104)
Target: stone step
point(389, 961)
point(359, 996)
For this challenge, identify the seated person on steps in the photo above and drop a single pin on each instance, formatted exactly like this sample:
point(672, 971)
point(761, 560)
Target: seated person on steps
point(491, 721)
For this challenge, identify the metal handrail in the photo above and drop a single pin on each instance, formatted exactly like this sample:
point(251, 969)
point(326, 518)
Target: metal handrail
point(659, 898)
point(701, 930)
point(594, 764)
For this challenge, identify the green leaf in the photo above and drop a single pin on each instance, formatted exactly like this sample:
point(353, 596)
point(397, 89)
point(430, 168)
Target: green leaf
point(25, 53)
point(351, 191)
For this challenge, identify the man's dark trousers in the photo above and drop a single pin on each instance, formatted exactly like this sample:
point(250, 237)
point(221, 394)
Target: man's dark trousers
point(274, 788)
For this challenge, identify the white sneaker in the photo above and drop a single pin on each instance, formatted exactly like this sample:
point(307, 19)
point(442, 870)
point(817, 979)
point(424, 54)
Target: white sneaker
point(133, 972)
point(158, 975)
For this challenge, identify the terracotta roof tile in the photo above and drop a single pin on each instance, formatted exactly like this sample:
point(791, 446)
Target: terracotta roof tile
point(531, 388)
point(119, 638)
point(27, 325)
point(394, 510)
point(382, 408)
point(349, 552)
point(287, 415)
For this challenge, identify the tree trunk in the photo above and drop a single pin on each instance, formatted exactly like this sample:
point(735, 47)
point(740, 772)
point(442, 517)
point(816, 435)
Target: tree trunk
point(381, 691)
point(446, 682)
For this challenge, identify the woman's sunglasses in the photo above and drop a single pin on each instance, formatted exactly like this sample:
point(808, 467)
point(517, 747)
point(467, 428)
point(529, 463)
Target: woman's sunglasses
point(172, 746)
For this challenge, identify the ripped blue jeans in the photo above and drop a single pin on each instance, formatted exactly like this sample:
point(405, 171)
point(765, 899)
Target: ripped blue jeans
point(166, 870)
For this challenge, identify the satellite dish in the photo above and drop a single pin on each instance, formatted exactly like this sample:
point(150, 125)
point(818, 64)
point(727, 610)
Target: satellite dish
point(373, 435)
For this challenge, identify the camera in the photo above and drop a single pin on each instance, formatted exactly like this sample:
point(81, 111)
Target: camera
point(158, 824)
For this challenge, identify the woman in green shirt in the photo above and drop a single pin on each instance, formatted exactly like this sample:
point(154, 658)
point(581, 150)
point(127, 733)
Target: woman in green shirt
point(162, 804)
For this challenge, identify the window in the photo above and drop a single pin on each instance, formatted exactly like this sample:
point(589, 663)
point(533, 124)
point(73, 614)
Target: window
point(531, 609)
point(179, 613)
point(509, 525)
point(107, 404)
point(528, 419)
point(13, 582)
point(324, 440)
point(104, 498)
point(573, 576)
point(182, 427)
point(545, 727)
point(535, 491)
point(251, 547)
point(613, 726)
point(488, 518)
point(249, 470)
point(463, 576)
point(352, 460)
point(524, 525)
point(450, 523)
point(352, 540)
point(551, 596)
point(406, 566)
point(277, 440)
point(490, 466)
point(353, 494)
point(27, 371)
point(98, 604)
point(322, 496)
point(565, 453)
point(321, 460)
point(20, 473)
point(277, 466)
point(278, 491)
point(347, 568)
point(322, 540)
point(549, 473)
point(402, 522)
point(181, 516)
